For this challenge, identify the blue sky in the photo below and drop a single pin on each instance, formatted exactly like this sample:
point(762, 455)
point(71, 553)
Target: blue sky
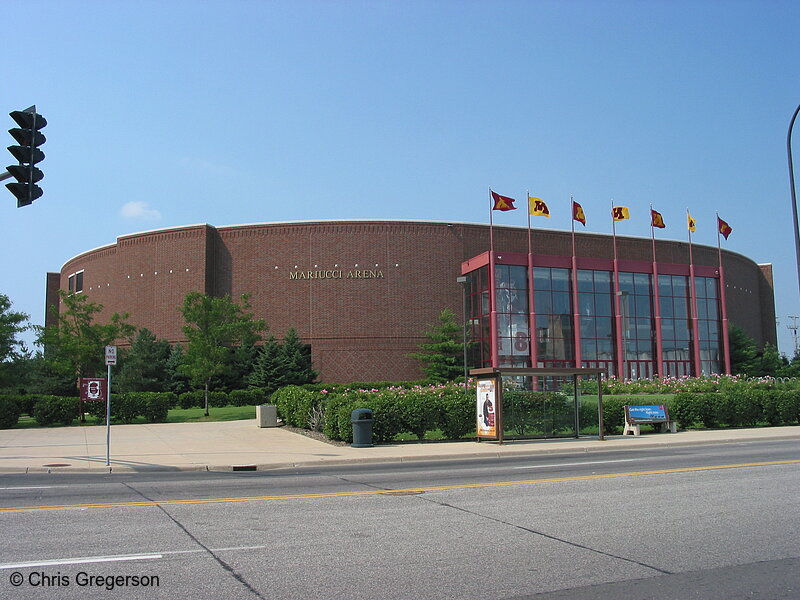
point(171, 113)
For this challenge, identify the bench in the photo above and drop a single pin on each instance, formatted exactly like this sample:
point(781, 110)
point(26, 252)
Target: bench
point(650, 414)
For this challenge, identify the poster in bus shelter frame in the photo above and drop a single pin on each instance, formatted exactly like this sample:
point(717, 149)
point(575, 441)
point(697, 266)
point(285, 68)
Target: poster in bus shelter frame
point(489, 409)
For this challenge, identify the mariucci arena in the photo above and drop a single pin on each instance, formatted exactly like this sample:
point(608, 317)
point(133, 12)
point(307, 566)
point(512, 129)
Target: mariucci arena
point(363, 293)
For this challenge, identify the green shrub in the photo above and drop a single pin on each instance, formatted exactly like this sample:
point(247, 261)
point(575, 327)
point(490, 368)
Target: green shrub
point(248, 397)
point(191, 399)
point(50, 410)
point(417, 412)
point(295, 403)
point(216, 400)
point(9, 412)
point(456, 413)
point(682, 409)
point(153, 406)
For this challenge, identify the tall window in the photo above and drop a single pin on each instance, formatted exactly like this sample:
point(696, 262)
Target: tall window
point(595, 294)
point(676, 330)
point(480, 351)
point(708, 324)
point(552, 302)
point(513, 334)
point(638, 328)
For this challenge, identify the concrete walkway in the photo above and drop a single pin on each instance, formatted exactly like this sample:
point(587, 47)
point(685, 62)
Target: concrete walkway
point(234, 445)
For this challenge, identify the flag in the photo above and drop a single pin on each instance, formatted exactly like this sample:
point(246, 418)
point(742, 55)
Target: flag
point(537, 207)
point(503, 202)
point(620, 213)
point(656, 220)
point(724, 228)
point(577, 213)
point(690, 222)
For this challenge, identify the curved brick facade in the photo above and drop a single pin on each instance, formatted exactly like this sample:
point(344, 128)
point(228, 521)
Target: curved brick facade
point(360, 292)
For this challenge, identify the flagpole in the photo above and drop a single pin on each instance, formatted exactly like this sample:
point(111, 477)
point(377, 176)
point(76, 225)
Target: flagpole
point(532, 349)
point(576, 310)
point(491, 225)
point(656, 303)
point(726, 347)
point(693, 299)
point(617, 303)
point(492, 303)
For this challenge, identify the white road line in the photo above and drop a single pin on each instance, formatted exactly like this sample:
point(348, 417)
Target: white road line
point(578, 464)
point(80, 561)
point(123, 557)
point(29, 487)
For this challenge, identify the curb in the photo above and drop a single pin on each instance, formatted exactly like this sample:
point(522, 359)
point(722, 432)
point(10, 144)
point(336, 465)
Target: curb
point(508, 451)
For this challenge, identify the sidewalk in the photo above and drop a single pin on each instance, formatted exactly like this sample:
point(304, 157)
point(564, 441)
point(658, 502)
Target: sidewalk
point(235, 445)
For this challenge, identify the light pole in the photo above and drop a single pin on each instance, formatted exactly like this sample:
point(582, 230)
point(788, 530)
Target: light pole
point(794, 197)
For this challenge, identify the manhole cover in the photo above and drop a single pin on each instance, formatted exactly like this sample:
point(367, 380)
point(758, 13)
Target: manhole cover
point(403, 493)
point(58, 465)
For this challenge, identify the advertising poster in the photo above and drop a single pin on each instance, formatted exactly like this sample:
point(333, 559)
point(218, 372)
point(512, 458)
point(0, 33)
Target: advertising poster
point(487, 408)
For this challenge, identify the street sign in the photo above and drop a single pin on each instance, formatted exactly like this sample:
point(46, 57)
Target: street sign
point(111, 355)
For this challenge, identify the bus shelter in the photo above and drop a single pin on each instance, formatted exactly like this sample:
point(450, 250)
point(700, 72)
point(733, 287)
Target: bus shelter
point(495, 415)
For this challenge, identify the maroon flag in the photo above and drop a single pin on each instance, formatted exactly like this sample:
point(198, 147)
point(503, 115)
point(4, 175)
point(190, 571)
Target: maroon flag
point(656, 220)
point(503, 202)
point(724, 228)
point(577, 213)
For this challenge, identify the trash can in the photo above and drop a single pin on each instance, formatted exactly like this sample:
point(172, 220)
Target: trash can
point(362, 421)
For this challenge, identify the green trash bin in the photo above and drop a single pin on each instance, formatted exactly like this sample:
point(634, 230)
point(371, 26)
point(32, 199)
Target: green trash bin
point(362, 421)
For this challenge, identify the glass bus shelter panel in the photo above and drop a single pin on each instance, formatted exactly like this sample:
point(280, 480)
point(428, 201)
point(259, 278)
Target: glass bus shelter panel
point(539, 407)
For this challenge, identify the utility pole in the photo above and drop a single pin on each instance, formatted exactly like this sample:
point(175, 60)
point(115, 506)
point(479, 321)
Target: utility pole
point(793, 329)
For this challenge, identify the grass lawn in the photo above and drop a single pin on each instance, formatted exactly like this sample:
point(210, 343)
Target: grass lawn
point(175, 415)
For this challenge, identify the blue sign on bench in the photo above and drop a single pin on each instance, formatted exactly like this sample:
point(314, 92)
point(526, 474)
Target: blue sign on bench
point(647, 413)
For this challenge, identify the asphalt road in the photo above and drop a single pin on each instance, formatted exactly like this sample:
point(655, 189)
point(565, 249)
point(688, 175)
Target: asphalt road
point(711, 521)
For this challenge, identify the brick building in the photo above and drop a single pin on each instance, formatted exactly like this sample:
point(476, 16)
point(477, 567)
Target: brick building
point(362, 293)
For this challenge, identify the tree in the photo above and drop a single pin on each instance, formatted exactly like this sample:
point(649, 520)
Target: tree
point(75, 346)
point(443, 355)
point(177, 381)
point(213, 326)
point(295, 360)
point(144, 366)
point(267, 369)
point(744, 353)
point(11, 324)
point(770, 362)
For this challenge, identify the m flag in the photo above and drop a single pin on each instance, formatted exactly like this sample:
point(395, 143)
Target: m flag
point(724, 228)
point(656, 220)
point(503, 202)
point(537, 207)
point(620, 213)
point(577, 213)
point(690, 222)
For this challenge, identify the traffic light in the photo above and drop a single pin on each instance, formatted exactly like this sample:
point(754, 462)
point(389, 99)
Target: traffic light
point(28, 154)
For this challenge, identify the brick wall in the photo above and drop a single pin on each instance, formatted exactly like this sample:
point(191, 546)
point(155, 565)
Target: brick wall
point(373, 288)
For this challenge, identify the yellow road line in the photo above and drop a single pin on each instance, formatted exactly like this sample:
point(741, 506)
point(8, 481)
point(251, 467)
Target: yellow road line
point(433, 488)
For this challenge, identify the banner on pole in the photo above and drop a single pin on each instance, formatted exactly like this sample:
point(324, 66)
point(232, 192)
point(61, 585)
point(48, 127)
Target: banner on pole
point(94, 389)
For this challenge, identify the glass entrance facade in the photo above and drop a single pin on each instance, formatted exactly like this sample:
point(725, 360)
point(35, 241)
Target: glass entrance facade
point(547, 315)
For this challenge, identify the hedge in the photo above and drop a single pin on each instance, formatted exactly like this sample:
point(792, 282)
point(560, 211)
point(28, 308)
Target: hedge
point(127, 407)
point(9, 412)
point(50, 410)
point(736, 407)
